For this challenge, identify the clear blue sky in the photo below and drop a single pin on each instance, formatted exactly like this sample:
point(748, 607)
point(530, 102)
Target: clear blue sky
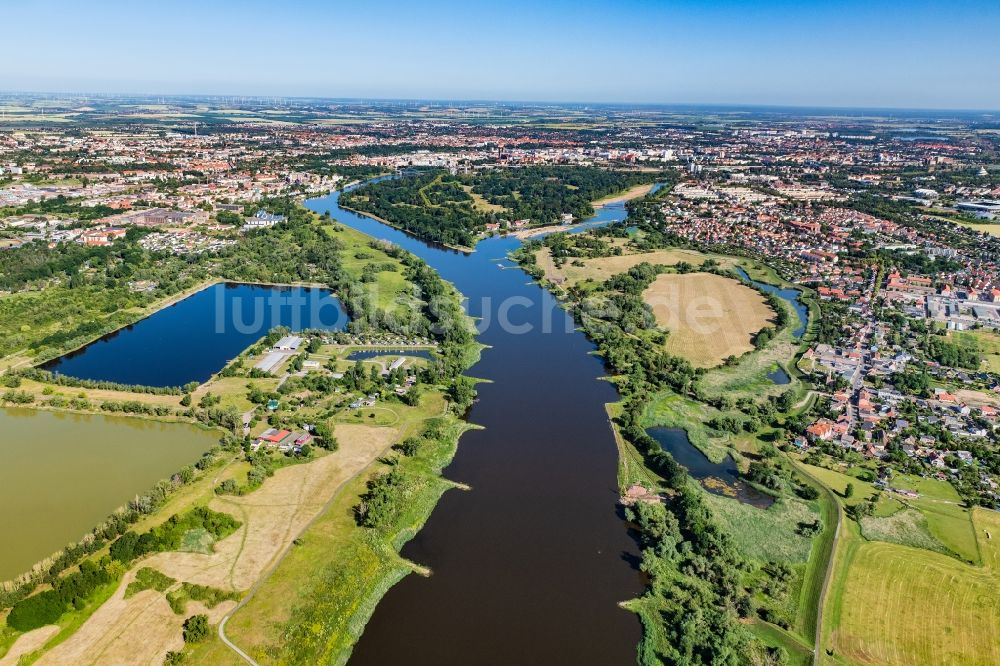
point(896, 53)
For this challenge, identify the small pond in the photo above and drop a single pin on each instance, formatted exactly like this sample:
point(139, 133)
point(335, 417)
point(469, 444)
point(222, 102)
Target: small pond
point(718, 478)
point(365, 354)
point(779, 376)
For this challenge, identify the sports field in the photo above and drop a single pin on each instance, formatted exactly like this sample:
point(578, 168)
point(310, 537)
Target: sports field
point(903, 605)
point(709, 317)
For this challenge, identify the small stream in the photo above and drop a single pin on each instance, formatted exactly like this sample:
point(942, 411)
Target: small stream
point(793, 296)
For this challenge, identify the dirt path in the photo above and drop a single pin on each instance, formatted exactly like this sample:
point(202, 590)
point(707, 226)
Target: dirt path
point(27, 643)
point(142, 628)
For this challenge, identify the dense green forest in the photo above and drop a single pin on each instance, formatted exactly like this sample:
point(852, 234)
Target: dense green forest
point(442, 207)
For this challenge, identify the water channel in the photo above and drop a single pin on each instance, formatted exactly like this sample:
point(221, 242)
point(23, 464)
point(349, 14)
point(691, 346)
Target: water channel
point(530, 564)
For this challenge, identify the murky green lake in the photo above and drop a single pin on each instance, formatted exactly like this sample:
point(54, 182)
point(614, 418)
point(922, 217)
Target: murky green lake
point(62, 474)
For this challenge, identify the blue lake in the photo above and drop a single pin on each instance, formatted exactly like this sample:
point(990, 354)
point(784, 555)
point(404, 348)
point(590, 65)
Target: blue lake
point(195, 338)
point(779, 376)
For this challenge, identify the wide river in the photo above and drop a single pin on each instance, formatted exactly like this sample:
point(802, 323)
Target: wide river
point(530, 564)
point(62, 474)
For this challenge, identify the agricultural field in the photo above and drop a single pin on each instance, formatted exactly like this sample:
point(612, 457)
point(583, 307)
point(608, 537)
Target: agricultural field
point(709, 317)
point(748, 377)
point(602, 268)
point(891, 570)
point(889, 608)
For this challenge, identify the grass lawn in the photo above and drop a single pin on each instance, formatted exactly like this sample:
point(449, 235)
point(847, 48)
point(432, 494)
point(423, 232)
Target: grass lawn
point(770, 635)
point(198, 540)
point(766, 535)
point(907, 527)
point(390, 291)
point(481, 204)
point(814, 575)
point(837, 482)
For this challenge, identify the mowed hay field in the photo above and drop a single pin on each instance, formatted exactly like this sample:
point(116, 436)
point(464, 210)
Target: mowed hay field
point(602, 268)
point(272, 516)
point(902, 605)
point(709, 317)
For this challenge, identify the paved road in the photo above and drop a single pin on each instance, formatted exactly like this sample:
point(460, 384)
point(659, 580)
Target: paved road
point(234, 648)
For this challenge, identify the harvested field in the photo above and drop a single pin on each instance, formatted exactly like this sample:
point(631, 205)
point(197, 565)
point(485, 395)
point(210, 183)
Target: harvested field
point(28, 643)
point(709, 317)
point(274, 514)
point(272, 517)
point(110, 635)
point(604, 267)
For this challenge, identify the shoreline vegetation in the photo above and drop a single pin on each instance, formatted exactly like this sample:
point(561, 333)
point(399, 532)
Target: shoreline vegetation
point(807, 563)
point(454, 210)
point(777, 585)
point(423, 438)
point(460, 248)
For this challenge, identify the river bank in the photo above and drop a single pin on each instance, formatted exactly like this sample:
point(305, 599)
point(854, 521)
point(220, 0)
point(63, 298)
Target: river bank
point(611, 202)
point(759, 521)
point(508, 466)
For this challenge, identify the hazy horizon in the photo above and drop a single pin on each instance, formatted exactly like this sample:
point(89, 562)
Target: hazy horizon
point(844, 54)
point(693, 106)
